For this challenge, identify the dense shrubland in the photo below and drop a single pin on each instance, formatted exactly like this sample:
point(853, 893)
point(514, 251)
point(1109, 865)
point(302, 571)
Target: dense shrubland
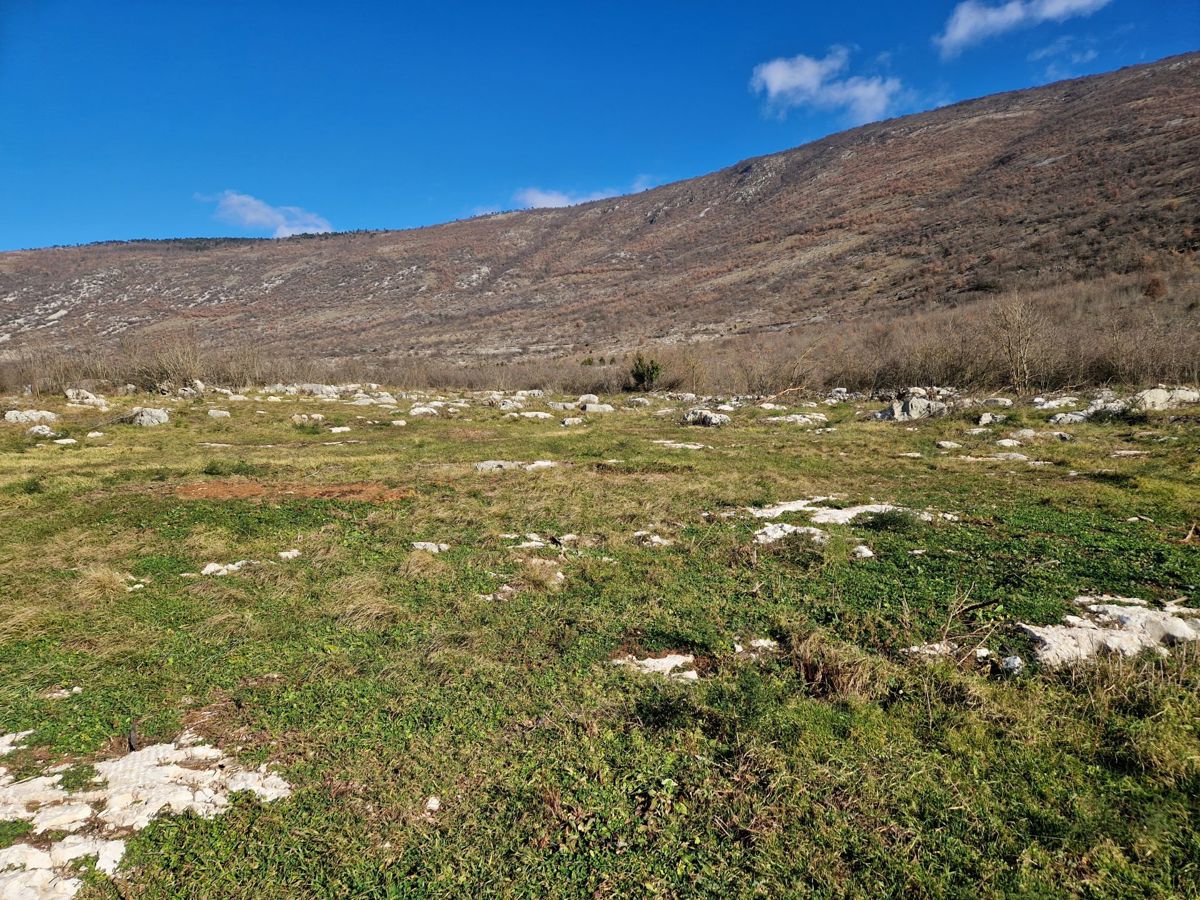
point(1117, 330)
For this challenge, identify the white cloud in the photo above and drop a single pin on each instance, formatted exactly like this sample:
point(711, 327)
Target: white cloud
point(548, 198)
point(972, 21)
point(258, 215)
point(808, 81)
point(542, 198)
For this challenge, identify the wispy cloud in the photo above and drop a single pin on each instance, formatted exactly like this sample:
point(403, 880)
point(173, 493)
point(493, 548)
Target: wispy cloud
point(972, 21)
point(549, 198)
point(1067, 49)
point(258, 215)
point(818, 83)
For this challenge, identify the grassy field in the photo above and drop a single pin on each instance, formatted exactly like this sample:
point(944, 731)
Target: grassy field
point(373, 676)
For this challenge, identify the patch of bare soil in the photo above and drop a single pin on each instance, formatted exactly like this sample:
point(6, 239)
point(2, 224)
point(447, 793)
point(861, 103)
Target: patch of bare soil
point(363, 491)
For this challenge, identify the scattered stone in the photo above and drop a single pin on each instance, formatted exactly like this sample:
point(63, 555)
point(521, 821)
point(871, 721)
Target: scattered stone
point(777, 531)
point(587, 398)
point(1001, 402)
point(339, 429)
point(992, 419)
point(496, 465)
point(912, 404)
point(935, 650)
point(799, 419)
point(146, 417)
point(218, 414)
point(29, 416)
point(764, 644)
point(289, 554)
point(1105, 403)
point(1001, 457)
point(1162, 397)
point(536, 415)
point(430, 546)
point(10, 742)
point(80, 397)
point(433, 804)
point(1008, 442)
point(862, 551)
point(420, 411)
point(678, 666)
point(1057, 403)
point(948, 445)
point(221, 569)
point(502, 593)
point(705, 418)
point(95, 434)
point(66, 442)
point(1072, 418)
point(1012, 665)
point(683, 445)
point(650, 539)
point(790, 506)
point(826, 515)
point(41, 431)
point(1123, 625)
point(570, 421)
point(128, 792)
point(596, 407)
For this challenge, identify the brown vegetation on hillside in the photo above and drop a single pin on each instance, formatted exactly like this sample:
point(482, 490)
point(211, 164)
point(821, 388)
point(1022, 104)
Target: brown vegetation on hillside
point(881, 254)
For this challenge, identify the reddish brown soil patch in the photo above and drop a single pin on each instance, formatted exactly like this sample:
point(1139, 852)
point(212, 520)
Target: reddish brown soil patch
point(364, 491)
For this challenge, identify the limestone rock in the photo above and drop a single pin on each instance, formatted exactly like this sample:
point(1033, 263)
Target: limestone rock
point(29, 416)
point(705, 418)
point(147, 417)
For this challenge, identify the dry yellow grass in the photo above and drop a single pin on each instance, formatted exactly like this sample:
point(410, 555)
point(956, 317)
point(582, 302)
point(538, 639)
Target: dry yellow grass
point(99, 584)
point(360, 602)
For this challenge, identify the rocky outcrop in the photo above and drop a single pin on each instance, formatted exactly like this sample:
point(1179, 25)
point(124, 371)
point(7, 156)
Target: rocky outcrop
point(916, 403)
point(1107, 624)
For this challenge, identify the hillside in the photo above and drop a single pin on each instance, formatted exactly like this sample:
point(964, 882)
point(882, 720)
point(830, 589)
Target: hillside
point(1063, 183)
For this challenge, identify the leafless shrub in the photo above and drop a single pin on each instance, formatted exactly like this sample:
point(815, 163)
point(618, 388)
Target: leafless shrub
point(1102, 331)
point(1017, 327)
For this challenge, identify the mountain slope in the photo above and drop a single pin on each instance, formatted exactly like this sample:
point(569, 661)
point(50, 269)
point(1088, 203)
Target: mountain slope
point(1054, 184)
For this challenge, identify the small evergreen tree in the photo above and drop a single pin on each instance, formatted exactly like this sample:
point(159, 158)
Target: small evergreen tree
point(645, 373)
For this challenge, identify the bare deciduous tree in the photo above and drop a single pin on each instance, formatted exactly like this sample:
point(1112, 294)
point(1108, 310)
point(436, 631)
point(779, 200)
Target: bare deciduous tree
point(1017, 326)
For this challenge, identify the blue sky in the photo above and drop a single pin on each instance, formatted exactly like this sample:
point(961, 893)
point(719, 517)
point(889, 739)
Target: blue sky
point(161, 119)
